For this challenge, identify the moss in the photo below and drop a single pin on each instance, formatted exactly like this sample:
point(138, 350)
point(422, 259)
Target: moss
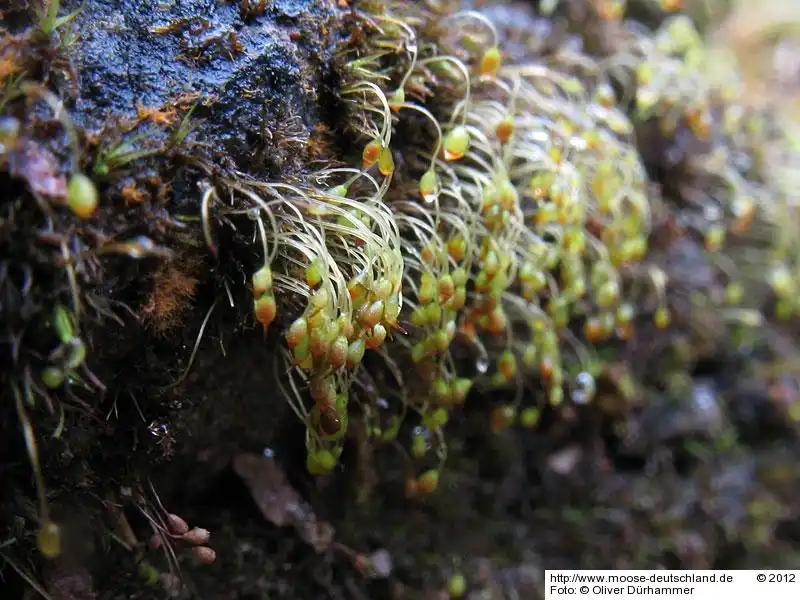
point(497, 317)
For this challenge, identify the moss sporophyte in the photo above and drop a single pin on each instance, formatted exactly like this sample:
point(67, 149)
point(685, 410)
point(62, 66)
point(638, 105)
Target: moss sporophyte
point(531, 218)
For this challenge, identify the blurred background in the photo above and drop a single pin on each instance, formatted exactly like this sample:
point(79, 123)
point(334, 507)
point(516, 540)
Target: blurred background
point(763, 37)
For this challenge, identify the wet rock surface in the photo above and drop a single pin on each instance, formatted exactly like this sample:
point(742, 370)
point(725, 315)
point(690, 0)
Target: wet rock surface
point(250, 76)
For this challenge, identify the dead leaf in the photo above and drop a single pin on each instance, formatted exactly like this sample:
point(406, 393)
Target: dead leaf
point(279, 502)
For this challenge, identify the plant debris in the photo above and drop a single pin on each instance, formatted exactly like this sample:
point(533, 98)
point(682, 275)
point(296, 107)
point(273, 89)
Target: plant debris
point(279, 502)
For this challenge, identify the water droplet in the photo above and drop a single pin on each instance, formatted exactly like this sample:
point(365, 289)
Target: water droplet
point(158, 429)
point(482, 365)
point(579, 397)
point(586, 388)
point(426, 434)
point(704, 400)
point(382, 402)
point(268, 452)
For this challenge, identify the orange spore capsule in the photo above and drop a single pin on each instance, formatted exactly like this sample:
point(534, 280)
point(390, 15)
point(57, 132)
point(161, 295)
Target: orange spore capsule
point(265, 309)
point(491, 61)
point(372, 152)
point(337, 353)
point(504, 129)
point(297, 332)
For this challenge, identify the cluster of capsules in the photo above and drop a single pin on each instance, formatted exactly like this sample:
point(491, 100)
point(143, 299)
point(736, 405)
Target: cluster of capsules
point(531, 200)
point(341, 256)
point(747, 164)
point(521, 243)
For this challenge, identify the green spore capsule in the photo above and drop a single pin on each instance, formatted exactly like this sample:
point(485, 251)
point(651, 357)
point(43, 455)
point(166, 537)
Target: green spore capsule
point(82, 196)
point(457, 585)
point(529, 417)
point(314, 273)
point(456, 143)
point(52, 377)
point(386, 162)
point(48, 539)
point(262, 281)
point(429, 186)
point(62, 323)
point(460, 390)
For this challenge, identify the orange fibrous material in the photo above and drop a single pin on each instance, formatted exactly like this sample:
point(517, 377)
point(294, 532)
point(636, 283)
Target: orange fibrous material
point(174, 287)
